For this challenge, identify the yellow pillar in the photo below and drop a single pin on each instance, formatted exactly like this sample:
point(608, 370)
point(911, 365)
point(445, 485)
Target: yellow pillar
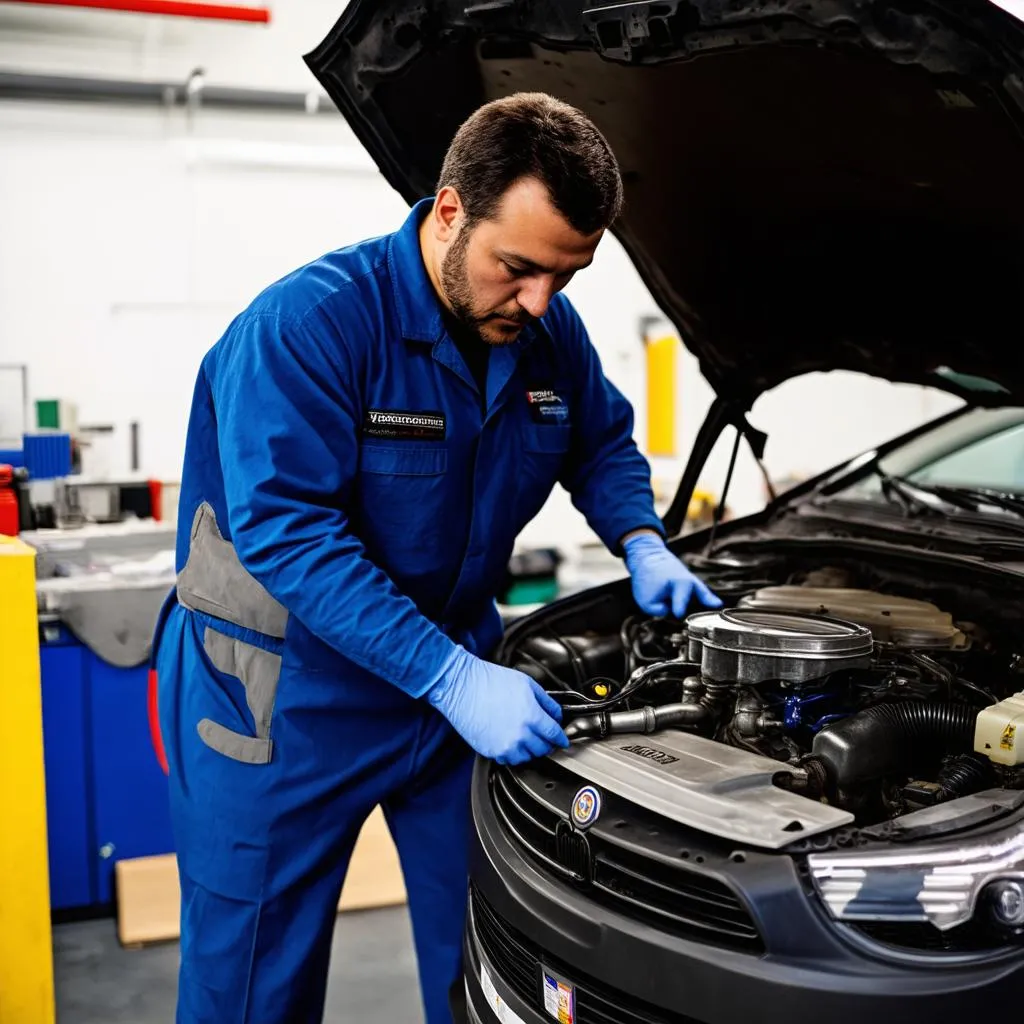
point(661, 395)
point(26, 951)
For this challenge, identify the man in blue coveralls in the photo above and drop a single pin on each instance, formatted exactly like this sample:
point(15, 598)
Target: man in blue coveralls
point(366, 440)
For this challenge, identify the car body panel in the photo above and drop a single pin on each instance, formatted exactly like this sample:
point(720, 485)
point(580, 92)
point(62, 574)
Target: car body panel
point(809, 185)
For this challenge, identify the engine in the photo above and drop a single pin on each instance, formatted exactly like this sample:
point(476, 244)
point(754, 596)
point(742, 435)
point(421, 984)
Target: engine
point(867, 694)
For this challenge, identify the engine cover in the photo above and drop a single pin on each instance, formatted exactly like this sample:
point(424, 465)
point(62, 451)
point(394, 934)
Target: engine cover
point(750, 646)
point(706, 785)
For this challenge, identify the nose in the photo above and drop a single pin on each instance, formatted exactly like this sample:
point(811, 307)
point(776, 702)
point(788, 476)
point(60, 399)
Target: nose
point(535, 295)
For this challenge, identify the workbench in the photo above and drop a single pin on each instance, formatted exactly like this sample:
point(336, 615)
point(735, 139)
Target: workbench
point(99, 591)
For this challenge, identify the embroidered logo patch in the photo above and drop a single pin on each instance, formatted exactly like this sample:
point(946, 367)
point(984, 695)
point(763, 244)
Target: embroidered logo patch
point(547, 406)
point(404, 425)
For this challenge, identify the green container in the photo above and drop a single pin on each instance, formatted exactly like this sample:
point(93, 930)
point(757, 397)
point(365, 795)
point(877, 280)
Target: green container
point(48, 414)
point(532, 592)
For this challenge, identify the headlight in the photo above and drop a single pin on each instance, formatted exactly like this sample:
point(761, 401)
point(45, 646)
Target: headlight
point(944, 883)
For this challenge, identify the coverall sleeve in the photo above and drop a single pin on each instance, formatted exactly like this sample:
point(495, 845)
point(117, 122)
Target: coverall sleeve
point(288, 420)
point(606, 476)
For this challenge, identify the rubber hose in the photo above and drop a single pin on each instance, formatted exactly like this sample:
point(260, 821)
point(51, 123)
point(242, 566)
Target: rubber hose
point(951, 724)
point(964, 774)
point(645, 720)
point(890, 738)
point(637, 681)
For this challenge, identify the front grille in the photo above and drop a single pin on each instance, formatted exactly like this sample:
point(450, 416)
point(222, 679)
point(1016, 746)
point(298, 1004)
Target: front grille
point(518, 960)
point(675, 898)
point(572, 851)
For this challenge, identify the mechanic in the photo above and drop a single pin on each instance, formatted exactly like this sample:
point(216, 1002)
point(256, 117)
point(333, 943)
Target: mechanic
point(366, 440)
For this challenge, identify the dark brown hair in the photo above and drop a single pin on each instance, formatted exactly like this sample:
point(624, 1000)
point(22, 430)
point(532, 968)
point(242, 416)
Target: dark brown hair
point(531, 134)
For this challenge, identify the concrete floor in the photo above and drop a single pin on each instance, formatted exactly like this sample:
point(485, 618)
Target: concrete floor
point(373, 974)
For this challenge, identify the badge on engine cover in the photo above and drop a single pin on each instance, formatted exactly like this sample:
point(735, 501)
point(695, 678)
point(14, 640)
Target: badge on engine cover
point(586, 807)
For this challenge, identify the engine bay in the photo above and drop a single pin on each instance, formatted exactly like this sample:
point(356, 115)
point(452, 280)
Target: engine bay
point(873, 703)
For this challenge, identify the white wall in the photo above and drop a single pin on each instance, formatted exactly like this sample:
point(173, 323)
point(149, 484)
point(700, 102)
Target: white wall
point(72, 41)
point(129, 238)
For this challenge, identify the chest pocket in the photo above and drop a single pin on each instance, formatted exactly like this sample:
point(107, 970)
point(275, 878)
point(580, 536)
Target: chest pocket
point(401, 495)
point(400, 460)
point(546, 440)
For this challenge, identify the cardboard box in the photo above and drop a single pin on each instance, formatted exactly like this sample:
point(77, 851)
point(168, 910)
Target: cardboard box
point(149, 897)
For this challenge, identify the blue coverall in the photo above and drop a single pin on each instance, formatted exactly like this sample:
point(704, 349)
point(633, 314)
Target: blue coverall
point(349, 503)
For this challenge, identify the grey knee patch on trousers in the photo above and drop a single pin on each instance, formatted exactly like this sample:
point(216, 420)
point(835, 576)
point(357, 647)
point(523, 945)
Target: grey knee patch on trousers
point(259, 672)
point(214, 581)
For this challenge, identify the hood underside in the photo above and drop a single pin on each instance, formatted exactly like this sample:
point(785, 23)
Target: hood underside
point(810, 184)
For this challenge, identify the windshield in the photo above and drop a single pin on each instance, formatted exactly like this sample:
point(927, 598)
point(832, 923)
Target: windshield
point(983, 449)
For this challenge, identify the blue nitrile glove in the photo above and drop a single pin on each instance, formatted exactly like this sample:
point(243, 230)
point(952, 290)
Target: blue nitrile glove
point(662, 585)
point(501, 713)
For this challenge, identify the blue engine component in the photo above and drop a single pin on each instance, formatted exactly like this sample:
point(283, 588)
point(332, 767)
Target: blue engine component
point(795, 715)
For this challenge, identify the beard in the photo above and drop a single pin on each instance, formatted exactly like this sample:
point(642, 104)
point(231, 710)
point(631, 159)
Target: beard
point(459, 293)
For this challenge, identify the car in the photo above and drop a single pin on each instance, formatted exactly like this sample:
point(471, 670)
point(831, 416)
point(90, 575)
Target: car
point(809, 804)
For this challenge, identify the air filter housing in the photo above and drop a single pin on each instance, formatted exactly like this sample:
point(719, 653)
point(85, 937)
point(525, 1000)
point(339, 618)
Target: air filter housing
point(749, 646)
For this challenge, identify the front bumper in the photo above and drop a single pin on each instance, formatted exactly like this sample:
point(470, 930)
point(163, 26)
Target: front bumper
point(490, 998)
point(627, 971)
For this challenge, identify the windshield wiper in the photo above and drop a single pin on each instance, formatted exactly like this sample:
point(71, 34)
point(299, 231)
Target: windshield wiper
point(987, 496)
point(960, 504)
point(915, 499)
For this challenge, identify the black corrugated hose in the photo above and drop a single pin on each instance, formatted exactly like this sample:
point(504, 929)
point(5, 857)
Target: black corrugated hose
point(951, 724)
point(893, 738)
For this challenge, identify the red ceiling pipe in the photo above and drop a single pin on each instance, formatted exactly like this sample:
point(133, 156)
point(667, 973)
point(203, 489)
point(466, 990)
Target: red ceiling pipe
point(178, 8)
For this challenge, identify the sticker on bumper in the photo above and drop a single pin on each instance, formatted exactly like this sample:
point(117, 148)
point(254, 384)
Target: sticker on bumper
point(559, 999)
point(501, 1009)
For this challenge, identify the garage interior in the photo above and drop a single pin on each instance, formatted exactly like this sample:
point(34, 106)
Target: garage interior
point(161, 162)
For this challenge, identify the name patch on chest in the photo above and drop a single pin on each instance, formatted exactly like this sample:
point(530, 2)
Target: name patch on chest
point(547, 406)
point(404, 425)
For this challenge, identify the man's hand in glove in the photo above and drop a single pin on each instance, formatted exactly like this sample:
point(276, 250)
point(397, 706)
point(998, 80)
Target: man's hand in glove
point(662, 585)
point(502, 714)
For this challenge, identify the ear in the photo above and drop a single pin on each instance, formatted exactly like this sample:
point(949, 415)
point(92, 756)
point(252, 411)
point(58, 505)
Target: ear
point(447, 215)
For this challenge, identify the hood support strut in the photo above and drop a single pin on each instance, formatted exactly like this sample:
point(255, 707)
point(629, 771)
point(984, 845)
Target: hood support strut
point(723, 413)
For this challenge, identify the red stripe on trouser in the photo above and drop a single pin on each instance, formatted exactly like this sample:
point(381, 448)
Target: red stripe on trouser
point(154, 723)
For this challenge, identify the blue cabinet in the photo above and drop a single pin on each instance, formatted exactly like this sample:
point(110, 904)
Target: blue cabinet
point(130, 808)
point(65, 702)
point(106, 795)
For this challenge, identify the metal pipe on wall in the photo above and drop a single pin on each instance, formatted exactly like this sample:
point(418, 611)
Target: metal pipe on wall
point(62, 88)
point(135, 460)
point(175, 8)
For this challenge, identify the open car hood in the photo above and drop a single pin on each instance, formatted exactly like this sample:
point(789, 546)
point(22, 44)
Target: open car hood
point(810, 184)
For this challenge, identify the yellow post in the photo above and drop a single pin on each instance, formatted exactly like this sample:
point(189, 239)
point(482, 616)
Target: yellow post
point(661, 395)
point(26, 951)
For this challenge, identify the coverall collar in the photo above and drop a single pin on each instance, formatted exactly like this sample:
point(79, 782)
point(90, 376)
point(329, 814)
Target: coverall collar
point(419, 309)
